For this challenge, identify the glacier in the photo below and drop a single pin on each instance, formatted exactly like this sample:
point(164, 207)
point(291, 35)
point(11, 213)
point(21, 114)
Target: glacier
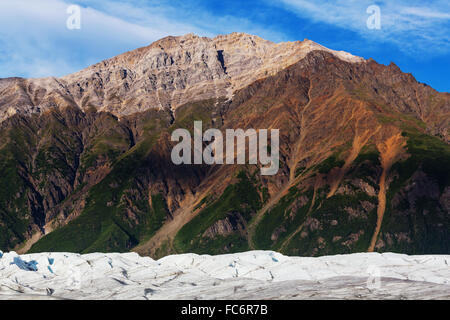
point(246, 275)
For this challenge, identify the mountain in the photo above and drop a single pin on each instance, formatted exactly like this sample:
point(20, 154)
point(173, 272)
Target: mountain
point(167, 74)
point(85, 160)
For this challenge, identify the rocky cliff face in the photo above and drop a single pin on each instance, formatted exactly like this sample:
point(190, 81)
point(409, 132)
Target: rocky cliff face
point(168, 73)
point(364, 154)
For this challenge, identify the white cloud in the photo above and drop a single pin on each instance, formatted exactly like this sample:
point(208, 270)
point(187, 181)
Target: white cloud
point(158, 14)
point(407, 23)
point(35, 42)
point(426, 13)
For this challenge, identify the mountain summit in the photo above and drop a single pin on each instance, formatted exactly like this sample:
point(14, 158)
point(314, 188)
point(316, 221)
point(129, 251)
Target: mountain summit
point(364, 154)
point(168, 73)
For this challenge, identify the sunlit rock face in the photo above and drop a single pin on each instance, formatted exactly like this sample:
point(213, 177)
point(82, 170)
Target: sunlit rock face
point(166, 74)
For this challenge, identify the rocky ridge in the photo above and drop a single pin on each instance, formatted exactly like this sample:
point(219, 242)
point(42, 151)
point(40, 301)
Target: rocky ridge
point(166, 74)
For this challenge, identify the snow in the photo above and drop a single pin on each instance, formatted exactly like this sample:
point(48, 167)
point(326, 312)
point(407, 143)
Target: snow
point(247, 275)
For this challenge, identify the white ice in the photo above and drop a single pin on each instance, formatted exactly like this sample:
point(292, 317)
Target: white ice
point(247, 275)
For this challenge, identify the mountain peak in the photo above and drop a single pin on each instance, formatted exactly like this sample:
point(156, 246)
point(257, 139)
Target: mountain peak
point(167, 73)
point(361, 145)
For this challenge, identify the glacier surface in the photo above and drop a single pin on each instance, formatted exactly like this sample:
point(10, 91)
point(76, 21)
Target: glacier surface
point(247, 275)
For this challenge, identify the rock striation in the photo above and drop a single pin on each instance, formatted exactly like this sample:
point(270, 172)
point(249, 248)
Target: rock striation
point(166, 74)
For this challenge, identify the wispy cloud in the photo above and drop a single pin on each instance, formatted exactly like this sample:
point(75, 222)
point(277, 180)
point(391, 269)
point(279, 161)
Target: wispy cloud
point(165, 15)
point(426, 13)
point(414, 26)
point(35, 42)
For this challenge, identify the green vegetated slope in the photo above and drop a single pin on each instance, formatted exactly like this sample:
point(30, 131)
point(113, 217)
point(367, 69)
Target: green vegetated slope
point(306, 222)
point(118, 213)
point(28, 165)
point(234, 209)
point(104, 223)
point(417, 213)
point(14, 216)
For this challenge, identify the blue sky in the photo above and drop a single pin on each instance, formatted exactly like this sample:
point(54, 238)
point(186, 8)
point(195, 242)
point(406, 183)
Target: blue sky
point(35, 42)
